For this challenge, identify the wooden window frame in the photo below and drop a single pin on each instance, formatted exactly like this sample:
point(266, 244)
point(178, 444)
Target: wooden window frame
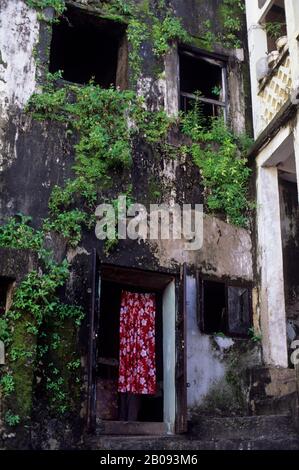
point(180, 335)
point(122, 68)
point(227, 283)
point(219, 61)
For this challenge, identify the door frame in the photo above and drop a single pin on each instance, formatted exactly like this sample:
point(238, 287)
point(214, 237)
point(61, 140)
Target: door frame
point(174, 346)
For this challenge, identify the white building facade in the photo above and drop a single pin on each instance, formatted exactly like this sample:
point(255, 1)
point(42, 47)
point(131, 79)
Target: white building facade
point(273, 35)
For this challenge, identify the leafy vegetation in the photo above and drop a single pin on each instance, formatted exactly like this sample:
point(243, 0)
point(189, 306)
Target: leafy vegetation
point(11, 419)
point(255, 336)
point(221, 157)
point(58, 5)
point(35, 302)
point(275, 29)
point(167, 32)
point(232, 13)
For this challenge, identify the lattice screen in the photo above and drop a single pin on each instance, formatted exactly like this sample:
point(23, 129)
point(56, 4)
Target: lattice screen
point(277, 91)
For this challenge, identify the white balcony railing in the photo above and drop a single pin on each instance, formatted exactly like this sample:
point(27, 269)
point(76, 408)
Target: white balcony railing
point(275, 89)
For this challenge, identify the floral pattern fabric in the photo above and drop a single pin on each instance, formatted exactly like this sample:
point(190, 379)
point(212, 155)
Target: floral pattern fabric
point(137, 356)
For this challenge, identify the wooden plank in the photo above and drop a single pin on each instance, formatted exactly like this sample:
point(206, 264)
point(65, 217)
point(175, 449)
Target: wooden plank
point(204, 100)
point(135, 277)
point(91, 359)
point(181, 354)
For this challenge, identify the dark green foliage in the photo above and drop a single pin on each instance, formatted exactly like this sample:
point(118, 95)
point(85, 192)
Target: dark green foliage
point(17, 233)
point(58, 5)
point(222, 159)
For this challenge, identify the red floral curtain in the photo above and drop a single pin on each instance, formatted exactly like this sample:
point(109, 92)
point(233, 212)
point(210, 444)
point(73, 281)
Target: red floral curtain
point(137, 357)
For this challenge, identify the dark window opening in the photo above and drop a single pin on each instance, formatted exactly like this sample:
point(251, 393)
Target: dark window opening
point(202, 78)
point(275, 24)
point(109, 401)
point(5, 285)
point(214, 307)
point(86, 47)
point(224, 309)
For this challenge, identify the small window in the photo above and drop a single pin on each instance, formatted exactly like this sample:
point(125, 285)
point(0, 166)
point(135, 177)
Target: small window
point(5, 285)
point(202, 77)
point(86, 47)
point(224, 308)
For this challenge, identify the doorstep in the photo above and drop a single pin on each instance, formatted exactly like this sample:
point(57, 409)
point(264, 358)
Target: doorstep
point(131, 428)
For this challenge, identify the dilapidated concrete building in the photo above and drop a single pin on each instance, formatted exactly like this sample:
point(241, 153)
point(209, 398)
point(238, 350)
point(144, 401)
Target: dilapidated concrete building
point(92, 99)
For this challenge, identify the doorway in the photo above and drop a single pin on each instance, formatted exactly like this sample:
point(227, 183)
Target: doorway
point(153, 413)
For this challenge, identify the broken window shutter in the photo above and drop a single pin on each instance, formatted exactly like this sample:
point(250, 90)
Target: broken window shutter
point(200, 302)
point(92, 326)
point(181, 356)
point(239, 310)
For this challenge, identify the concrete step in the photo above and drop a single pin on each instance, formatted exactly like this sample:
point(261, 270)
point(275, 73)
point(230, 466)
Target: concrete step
point(130, 428)
point(177, 444)
point(211, 433)
point(271, 390)
point(249, 427)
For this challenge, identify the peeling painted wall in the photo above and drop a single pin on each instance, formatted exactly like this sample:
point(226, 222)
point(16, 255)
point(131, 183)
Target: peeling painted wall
point(19, 31)
point(226, 251)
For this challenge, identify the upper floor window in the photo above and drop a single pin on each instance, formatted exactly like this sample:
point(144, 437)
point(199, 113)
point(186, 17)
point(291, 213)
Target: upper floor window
point(275, 25)
point(202, 77)
point(86, 47)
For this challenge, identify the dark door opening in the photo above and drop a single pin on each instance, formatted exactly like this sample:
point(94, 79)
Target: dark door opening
point(109, 400)
point(86, 47)
point(289, 217)
point(108, 281)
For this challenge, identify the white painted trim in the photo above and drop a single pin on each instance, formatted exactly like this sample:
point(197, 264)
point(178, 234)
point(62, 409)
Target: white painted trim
point(169, 356)
point(270, 264)
point(273, 145)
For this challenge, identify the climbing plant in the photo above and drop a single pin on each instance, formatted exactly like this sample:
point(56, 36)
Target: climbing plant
point(222, 159)
point(58, 5)
point(232, 14)
point(35, 302)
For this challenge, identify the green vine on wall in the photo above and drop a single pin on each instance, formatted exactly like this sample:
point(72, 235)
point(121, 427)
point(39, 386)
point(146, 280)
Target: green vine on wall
point(59, 6)
point(34, 303)
point(100, 117)
point(222, 159)
point(232, 15)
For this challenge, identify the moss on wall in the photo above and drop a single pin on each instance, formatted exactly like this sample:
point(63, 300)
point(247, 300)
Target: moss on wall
point(22, 357)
